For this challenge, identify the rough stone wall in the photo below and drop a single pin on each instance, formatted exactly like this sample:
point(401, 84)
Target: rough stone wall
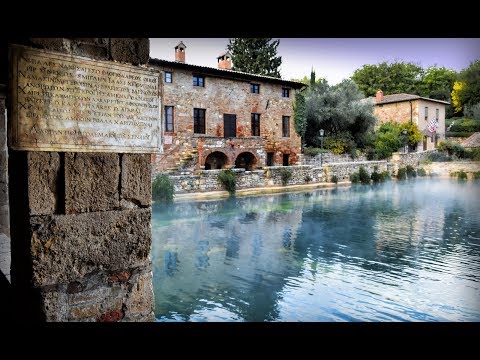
point(343, 170)
point(5, 252)
point(81, 222)
point(403, 159)
point(225, 96)
point(272, 176)
point(331, 158)
point(398, 112)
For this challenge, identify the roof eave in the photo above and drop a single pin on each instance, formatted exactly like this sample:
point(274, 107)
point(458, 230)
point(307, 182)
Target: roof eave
point(227, 73)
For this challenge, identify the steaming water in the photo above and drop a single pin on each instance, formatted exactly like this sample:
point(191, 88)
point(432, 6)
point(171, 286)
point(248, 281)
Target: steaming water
point(403, 251)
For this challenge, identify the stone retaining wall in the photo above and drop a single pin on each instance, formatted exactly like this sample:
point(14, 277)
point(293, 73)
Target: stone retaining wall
point(272, 176)
point(331, 158)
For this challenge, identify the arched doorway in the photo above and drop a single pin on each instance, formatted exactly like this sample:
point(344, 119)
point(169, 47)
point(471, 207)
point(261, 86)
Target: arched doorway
point(246, 160)
point(215, 160)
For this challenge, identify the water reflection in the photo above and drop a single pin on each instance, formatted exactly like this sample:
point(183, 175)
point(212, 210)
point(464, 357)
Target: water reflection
point(399, 251)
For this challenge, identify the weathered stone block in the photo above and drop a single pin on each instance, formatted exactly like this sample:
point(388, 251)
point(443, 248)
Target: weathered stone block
point(55, 44)
point(84, 312)
point(43, 181)
point(54, 305)
point(67, 247)
point(91, 182)
point(130, 50)
point(136, 179)
point(140, 299)
point(99, 52)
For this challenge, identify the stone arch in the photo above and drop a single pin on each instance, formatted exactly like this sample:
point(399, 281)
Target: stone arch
point(246, 160)
point(216, 160)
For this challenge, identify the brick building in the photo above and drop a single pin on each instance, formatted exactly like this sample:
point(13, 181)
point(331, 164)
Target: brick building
point(218, 118)
point(419, 110)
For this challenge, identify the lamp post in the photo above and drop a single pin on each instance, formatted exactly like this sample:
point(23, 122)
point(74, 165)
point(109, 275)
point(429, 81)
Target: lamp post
point(322, 132)
point(404, 138)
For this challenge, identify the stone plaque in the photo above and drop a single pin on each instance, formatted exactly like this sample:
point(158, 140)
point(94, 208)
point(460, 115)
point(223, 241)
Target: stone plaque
point(168, 140)
point(71, 103)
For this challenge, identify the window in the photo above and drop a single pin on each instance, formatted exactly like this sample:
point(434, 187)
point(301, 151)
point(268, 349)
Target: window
point(168, 76)
point(285, 159)
point(270, 158)
point(286, 126)
point(199, 121)
point(255, 88)
point(198, 80)
point(229, 125)
point(255, 124)
point(285, 92)
point(426, 113)
point(437, 114)
point(168, 118)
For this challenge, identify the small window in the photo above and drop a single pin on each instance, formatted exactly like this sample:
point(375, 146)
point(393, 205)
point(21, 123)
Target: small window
point(199, 121)
point(426, 113)
point(437, 114)
point(286, 126)
point(285, 92)
point(255, 124)
point(255, 88)
point(168, 118)
point(168, 76)
point(198, 80)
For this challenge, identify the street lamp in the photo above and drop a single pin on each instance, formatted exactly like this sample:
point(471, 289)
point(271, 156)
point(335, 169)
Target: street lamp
point(322, 132)
point(404, 138)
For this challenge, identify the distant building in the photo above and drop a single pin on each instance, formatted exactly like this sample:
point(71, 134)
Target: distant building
point(217, 118)
point(419, 110)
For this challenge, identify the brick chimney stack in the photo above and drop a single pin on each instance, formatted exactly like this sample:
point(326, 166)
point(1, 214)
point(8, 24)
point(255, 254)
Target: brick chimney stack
point(225, 61)
point(180, 52)
point(379, 96)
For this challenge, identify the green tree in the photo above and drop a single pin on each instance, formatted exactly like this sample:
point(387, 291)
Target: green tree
point(469, 94)
point(300, 115)
point(339, 111)
point(255, 56)
point(392, 78)
point(437, 83)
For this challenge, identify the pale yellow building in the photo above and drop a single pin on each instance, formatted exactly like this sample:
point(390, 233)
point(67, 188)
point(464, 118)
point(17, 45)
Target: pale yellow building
point(414, 108)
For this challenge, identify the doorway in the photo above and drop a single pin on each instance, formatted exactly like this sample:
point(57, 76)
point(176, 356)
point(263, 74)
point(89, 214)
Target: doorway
point(285, 159)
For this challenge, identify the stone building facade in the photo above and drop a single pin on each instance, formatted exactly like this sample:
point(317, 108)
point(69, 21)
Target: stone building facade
point(215, 118)
point(419, 110)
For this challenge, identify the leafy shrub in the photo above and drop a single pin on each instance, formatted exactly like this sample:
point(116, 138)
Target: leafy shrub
point(286, 174)
point(307, 178)
point(452, 148)
point(340, 143)
point(364, 175)
point(163, 189)
point(460, 175)
point(355, 178)
point(458, 134)
point(312, 151)
point(228, 180)
point(473, 154)
point(334, 179)
point(421, 172)
point(476, 175)
point(411, 171)
point(385, 175)
point(402, 174)
point(465, 125)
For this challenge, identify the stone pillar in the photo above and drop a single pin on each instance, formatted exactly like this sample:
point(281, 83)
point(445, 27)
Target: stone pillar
point(4, 212)
point(81, 222)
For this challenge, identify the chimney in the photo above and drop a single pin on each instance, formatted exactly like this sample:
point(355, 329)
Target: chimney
point(379, 96)
point(180, 52)
point(225, 61)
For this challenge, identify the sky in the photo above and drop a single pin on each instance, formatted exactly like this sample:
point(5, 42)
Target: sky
point(334, 59)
